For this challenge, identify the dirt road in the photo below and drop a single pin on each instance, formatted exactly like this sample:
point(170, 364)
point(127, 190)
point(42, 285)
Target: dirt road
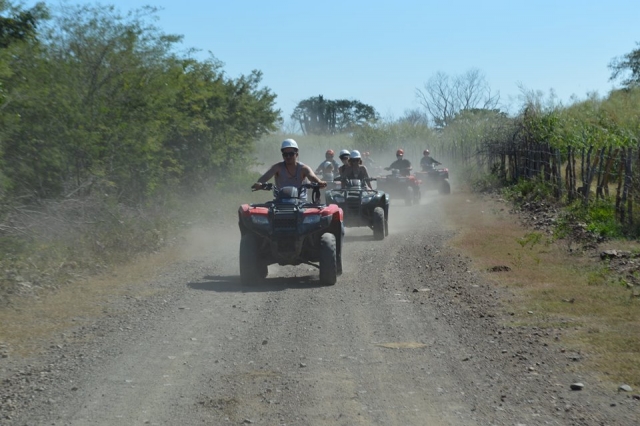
point(410, 335)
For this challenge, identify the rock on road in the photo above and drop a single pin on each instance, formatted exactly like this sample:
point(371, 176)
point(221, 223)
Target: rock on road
point(409, 335)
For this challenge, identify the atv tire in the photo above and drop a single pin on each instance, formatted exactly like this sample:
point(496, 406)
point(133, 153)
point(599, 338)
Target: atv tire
point(378, 224)
point(408, 196)
point(416, 195)
point(328, 259)
point(263, 270)
point(250, 271)
point(445, 187)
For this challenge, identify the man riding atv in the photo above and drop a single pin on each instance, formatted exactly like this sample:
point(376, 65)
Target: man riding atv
point(329, 165)
point(401, 164)
point(289, 172)
point(427, 163)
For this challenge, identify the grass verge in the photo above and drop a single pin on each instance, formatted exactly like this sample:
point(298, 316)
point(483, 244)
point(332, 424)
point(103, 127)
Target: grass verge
point(552, 287)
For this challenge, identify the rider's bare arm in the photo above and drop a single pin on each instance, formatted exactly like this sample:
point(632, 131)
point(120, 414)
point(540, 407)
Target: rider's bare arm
point(265, 177)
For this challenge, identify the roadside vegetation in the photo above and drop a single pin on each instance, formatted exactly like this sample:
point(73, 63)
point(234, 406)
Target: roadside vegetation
point(589, 300)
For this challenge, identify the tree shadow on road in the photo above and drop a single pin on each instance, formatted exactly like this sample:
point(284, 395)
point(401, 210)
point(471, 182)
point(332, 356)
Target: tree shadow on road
point(231, 283)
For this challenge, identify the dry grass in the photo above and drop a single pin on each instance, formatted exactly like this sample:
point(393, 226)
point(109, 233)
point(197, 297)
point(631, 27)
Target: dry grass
point(563, 290)
point(29, 325)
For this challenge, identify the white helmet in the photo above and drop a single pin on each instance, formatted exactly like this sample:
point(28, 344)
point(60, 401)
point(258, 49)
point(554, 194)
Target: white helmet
point(289, 143)
point(355, 154)
point(344, 152)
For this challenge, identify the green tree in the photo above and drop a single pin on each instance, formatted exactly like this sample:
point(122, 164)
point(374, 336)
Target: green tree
point(218, 120)
point(627, 68)
point(19, 25)
point(102, 97)
point(320, 116)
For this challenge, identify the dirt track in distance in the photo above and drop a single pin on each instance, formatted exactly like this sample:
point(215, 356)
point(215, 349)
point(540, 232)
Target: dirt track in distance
point(410, 335)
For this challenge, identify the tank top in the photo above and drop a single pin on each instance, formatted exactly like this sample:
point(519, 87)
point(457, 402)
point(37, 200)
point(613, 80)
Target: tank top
point(284, 179)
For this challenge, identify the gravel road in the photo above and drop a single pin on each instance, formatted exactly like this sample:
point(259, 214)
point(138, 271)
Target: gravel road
point(410, 335)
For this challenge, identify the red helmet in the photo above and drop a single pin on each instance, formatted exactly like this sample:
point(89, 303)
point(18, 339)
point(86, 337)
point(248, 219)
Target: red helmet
point(425, 152)
point(399, 152)
point(329, 152)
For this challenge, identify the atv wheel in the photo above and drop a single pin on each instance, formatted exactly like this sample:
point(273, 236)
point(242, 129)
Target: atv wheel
point(445, 187)
point(263, 270)
point(378, 224)
point(328, 259)
point(408, 197)
point(250, 271)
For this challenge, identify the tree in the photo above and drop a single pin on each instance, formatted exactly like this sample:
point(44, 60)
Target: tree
point(319, 116)
point(21, 24)
point(414, 117)
point(444, 97)
point(621, 66)
point(101, 97)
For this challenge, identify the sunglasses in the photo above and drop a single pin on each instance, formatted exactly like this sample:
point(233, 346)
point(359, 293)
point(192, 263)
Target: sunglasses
point(289, 154)
point(344, 157)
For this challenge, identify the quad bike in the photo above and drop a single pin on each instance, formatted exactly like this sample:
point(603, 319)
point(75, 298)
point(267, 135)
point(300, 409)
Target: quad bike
point(362, 206)
point(436, 178)
point(290, 231)
point(406, 187)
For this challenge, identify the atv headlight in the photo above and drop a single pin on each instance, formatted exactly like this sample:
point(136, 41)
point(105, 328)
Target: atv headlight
point(260, 220)
point(311, 219)
point(367, 198)
point(338, 198)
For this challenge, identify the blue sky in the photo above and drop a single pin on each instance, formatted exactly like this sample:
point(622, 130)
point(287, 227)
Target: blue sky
point(380, 52)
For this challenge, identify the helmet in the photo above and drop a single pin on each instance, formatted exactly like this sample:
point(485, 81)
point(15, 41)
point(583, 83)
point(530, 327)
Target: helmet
point(399, 152)
point(329, 152)
point(355, 154)
point(425, 152)
point(344, 152)
point(289, 143)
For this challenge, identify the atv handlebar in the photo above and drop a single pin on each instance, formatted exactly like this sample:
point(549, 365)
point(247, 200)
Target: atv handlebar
point(264, 186)
point(315, 187)
point(341, 179)
point(269, 186)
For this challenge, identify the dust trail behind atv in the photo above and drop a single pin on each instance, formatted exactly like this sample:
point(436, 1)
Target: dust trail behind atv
point(399, 340)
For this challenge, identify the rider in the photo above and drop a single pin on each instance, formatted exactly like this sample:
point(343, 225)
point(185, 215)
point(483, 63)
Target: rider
point(356, 170)
point(344, 157)
point(401, 164)
point(428, 163)
point(329, 165)
point(289, 172)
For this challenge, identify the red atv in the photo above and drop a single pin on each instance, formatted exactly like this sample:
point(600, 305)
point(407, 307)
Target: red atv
point(290, 231)
point(398, 185)
point(436, 178)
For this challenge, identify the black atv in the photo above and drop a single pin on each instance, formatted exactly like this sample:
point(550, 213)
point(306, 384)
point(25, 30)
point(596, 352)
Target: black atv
point(362, 206)
point(290, 231)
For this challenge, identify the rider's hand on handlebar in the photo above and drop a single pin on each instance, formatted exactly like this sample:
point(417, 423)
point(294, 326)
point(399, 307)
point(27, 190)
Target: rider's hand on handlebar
point(322, 184)
point(257, 185)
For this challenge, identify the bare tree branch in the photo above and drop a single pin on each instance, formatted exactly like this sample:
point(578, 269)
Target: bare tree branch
point(444, 97)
